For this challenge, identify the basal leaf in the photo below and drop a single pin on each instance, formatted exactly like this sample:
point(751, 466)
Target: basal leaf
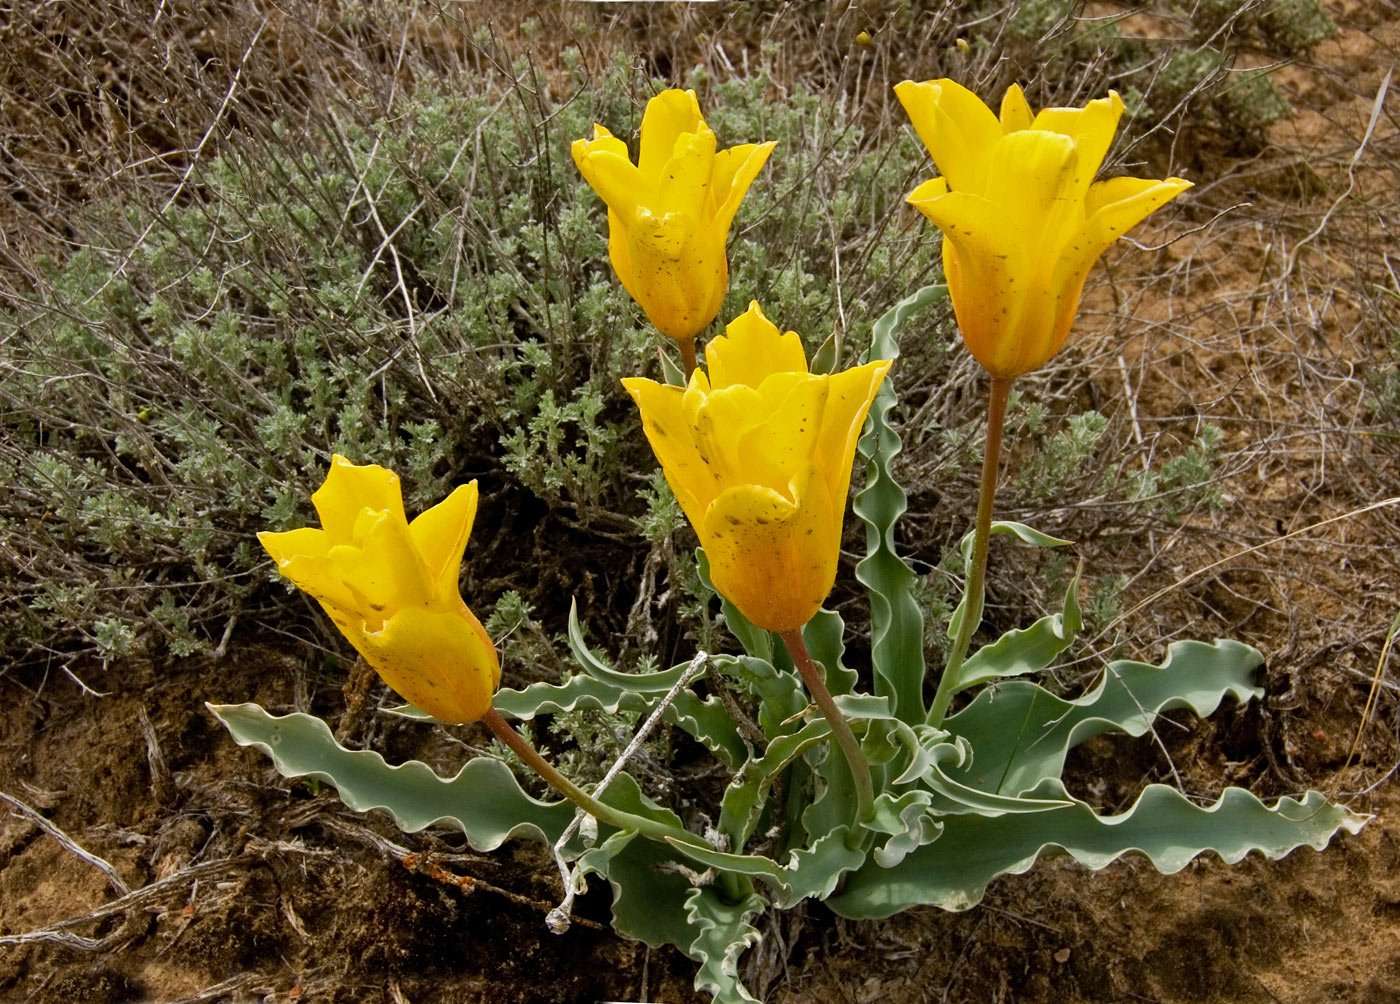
point(1020, 732)
point(896, 621)
point(953, 871)
point(483, 799)
point(1029, 650)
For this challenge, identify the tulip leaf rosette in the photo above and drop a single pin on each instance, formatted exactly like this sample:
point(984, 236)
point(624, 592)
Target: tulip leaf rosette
point(390, 586)
point(1023, 220)
point(669, 214)
point(758, 452)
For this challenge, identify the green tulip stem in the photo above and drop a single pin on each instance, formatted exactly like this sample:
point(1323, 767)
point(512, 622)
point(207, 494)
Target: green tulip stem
point(687, 356)
point(618, 818)
point(975, 590)
point(840, 728)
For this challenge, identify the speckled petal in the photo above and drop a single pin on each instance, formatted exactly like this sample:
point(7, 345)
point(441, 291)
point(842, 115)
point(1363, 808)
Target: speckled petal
point(440, 661)
point(672, 437)
point(348, 489)
point(440, 536)
point(735, 170)
point(773, 559)
point(848, 401)
point(751, 349)
point(668, 116)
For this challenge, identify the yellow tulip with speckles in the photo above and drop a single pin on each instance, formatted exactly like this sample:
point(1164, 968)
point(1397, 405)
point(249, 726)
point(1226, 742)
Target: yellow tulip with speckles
point(669, 214)
point(1023, 220)
point(758, 453)
point(390, 586)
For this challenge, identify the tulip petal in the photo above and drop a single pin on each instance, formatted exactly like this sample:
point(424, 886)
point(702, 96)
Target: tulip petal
point(602, 140)
point(305, 540)
point(349, 488)
point(1015, 110)
point(988, 274)
point(385, 570)
point(440, 537)
point(734, 171)
point(677, 273)
point(1091, 127)
point(955, 125)
point(668, 116)
point(684, 184)
point(303, 558)
point(751, 349)
point(619, 254)
point(721, 421)
point(847, 402)
point(671, 434)
point(1116, 206)
point(440, 661)
point(1033, 177)
point(786, 440)
point(617, 181)
point(773, 559)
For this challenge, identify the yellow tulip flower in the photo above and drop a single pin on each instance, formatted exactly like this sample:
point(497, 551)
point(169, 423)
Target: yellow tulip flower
point(758, 453)
point(391, 587)
point(1023, 220)
point(669, 214)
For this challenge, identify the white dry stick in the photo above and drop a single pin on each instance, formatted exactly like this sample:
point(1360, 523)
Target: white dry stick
point(189, 169)
point(1376, 107)
point(559, 918)
point(70, 844)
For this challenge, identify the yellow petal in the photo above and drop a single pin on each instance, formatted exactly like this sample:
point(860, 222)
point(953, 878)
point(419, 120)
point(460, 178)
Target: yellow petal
point(306, 540)
point(771, 452)
point(349, 488)
point(1091, 127)
point(988, 274)
point(618, 253)
point(386, 571)
point(847, 402)
point(955, 125)
point(684, 184)
point(773, 559)
point(440, 536)
point(602, 140)
point(669, 115)
point(1015, 110)
point(735, 170)
point(303, 557)
point(677, 273)
point(1116, 206)
point(671, 435)
point(1033, 178)
point(934, 188)
point(721, 421)
point(440, 661)
point(617, 181)
point(750, 349)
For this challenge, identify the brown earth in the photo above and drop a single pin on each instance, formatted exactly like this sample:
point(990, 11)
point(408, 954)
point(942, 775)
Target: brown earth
point(247, 887)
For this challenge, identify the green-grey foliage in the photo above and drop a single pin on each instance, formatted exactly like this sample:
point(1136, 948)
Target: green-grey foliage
point(425, 287)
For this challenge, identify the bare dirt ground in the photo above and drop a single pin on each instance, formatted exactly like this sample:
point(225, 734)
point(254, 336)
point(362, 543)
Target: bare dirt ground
point(231, 884)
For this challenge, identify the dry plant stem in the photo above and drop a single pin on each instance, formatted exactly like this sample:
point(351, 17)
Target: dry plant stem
point(845, 738)
point(605, 813)
point(687, 356)
point(976, 579)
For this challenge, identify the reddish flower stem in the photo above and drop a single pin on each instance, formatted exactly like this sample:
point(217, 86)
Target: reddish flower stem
point(840, 728)
point(975, 589)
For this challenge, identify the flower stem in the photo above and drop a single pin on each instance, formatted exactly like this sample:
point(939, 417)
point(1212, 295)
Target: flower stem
point(619, 818)
point(975, 588)
point(688, 357)
point(840, 728)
